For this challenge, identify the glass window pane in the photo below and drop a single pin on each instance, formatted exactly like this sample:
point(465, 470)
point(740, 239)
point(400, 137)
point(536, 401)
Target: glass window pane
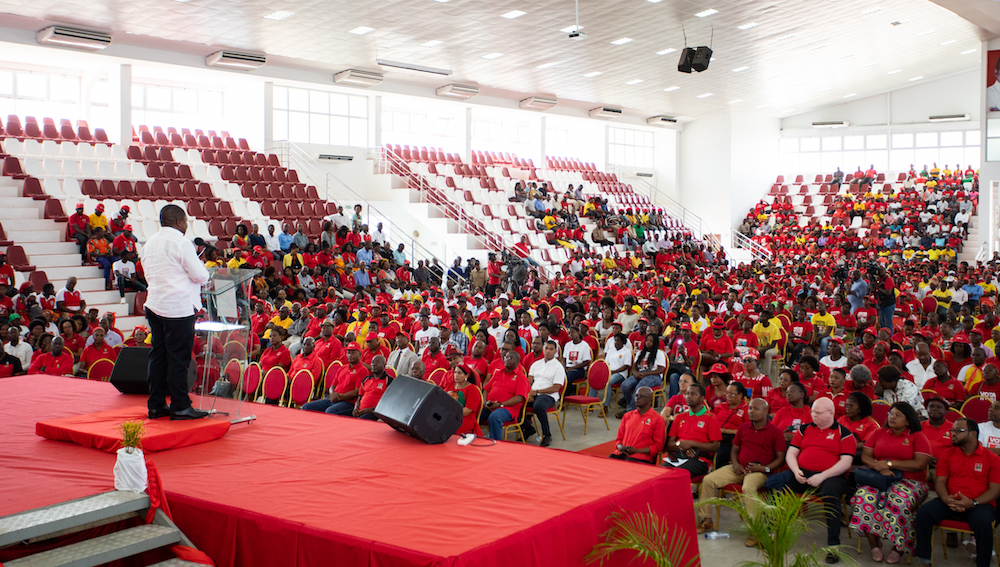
point(359, 132)
point(319, 102)
point(992, 126)
point(972, 137)
point(6, 83)
point(186, 101)
point(339, 104)
point(32, 85)
point(831, 160)
point(854, 142)
point(951, 157)
point(993, 149)
point(876, 141)
point(280, 97)
point(298, 99)
point(789, 144)
point(340, 131)
point(831, 143)
point(951, 138)
point(809, 144)
point(629, 137)
point(100, 93)
point(972, 157)
point(927, 139)
point(319, 129)
point(138, 97)
point(280, 124)
point(65, 88)
point(158, 98)
point(210, 104)
point(900, 160)
point(359, 107)
point(902, 140)
point(878, 158)
point(810, 161)
point(925, 157)
point(298, 127)
point(853, 160)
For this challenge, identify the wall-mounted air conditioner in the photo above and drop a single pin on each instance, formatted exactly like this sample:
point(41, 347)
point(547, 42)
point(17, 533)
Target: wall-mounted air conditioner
point(538, 103)
point(661, 120)
point(358, 78)
point(463, 92)
point(831, 124)
point(73, 37)
point(605, 112)
point(235, 60)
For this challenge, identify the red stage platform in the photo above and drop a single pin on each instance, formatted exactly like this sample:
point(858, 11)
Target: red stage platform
point(299, 488)
point(100, 430)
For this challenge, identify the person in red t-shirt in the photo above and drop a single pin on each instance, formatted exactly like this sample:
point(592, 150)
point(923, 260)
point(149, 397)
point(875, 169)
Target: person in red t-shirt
point(372, 389)
point(641, 431)
point(345, 387)
point(820, 454)
point(276, 354)
point(694, 435)
point(57, 362)
point(946, 385)
point(308, 359)
point(837, 391)
point(678, 402)
point(493, 271)
point(96, 351)
point(967, 480)
point(506, 392)
point(789, 418)
point(937, 428)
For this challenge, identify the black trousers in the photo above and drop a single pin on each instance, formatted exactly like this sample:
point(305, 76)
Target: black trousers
point(980, 518)
point(169, 361)
point(831, 490)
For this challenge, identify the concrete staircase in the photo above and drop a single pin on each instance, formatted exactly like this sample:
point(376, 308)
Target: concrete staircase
point(73, 516)
point(972, 241)
point(44, 243)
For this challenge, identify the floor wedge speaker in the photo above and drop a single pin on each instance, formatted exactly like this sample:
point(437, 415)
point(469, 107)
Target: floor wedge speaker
point(131, 372)
point(420, 409)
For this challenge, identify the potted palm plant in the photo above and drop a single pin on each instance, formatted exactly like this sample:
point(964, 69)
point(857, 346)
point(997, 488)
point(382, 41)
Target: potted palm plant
point(648, 536)
point(130, 467)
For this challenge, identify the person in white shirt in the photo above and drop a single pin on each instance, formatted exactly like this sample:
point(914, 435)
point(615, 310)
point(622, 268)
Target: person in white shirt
point(578, 355)
point(972, 373)
point(834, 355)
point(378, 235)
point(18, 348)
point(989, 431)
point(618, 355)
point(425, 334)
point(174, 274)
point(125, 275)
point(959, 296)
point(496, 330)
point(547, 377)
point(272, 242)
point(921, 367)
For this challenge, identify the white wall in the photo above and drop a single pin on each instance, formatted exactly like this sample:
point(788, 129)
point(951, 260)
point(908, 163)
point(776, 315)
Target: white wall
point(957, 94)
point(754, 161)
point(704, 179)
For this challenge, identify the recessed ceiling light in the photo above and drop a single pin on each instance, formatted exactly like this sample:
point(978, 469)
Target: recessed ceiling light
point(735, 101)
point(431, 43)
point(826, 89)
point(571, 29)
point(747, 26)
point(513, 14)
point(621, 41)
point(633, 82)
point(784, 37)
point(850, 95)
point(871, 10)
point(917, 78)
point(705, 95)
point(441, 1)
point(925, 32)
point(493, 55)
point(968, 51)
point(670, 89)
point(846, 55)
point(592, 74)
point(279, 15)
point(547, 65)
point(706, 13)
point(361, 30)
point(872, 64)
point(893, 72)
point(815, 47)
point(666, 51)
point(949, 42)
point(742, 68)
point(654, 1)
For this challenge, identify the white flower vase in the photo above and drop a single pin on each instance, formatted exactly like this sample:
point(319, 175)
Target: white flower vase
point(130, 470)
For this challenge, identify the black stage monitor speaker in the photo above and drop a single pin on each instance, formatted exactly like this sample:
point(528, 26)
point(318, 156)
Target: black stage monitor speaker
point(702, 57)
point(687, 55)
point(420, 409)
point(131, 371)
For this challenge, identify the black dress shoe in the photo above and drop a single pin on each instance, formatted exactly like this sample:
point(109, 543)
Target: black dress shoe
point(831, 559)
point(189, 413)
point(157, 414)
point(546, 441)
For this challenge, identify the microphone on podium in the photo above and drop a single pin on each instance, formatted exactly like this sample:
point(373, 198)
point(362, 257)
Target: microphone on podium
point(199, 241)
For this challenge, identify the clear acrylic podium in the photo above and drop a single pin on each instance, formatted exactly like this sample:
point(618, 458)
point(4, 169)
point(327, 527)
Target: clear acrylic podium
point(224, 331)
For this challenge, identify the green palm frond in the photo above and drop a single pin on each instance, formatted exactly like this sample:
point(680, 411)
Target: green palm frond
point(647, 535)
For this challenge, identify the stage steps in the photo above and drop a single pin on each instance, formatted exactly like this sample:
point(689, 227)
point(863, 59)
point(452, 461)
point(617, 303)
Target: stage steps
point(84, 513)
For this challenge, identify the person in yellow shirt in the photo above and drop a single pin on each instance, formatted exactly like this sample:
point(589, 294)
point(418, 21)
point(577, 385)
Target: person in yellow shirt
point(942, 296)
point(768, 331)
point(994, 339)
point(293, 257)
point(98, 220)
point(824, 324)
point(360, 326)
point(236, 261)
point(608, 262)
point(283, 319)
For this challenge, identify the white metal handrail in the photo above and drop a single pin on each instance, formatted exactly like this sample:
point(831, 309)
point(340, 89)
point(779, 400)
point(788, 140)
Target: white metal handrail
point(691, 221)
point(757, 250)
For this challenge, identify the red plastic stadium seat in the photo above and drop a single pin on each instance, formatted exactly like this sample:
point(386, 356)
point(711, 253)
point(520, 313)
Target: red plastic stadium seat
point(18, 259)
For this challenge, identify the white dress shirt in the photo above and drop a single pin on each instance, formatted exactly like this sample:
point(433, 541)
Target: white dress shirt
point(22, 351)
point(174, 274)
point(920, 374)
point(545, 374)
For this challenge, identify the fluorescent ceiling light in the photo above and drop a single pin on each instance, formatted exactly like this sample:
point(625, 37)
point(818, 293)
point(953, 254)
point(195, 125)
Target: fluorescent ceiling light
point(279, 15)
point(741, 68)
point(666, 51)
point(872, 64)
point(571, 29)
point(361, 30)
point(654, 1)
point(441, 1)
point(493, 55)
point(917, 78)
point(431, 43)
point(670, 89)
point(705, 95)
point(412, 67)
point(735, 101)
point(949, 42)
point(850, 95)
point(592, 74)
point(547, 65)
point(871, 10)
point(747, 26)
point(633, 82)
point(893, 72)
point(968, 51)
point(706, 13)
point(846, 56)
point(621, 41)
point(513, 14)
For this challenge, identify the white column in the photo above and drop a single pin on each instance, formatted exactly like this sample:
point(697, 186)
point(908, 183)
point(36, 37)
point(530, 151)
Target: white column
point(467, 157)
point(120, 131)
point(376, 122)
point(268, 114)
point(541, 145)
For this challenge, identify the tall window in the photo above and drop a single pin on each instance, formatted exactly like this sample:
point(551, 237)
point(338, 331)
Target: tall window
point(165, 106)
point(494, 134)
point(896, 152)
point(320, 117)
point(631, 148)
point(38, 94)
point(433, 129)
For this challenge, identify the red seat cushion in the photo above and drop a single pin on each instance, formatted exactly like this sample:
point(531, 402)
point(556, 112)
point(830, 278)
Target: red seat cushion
point(582, 399)
point(955, 525)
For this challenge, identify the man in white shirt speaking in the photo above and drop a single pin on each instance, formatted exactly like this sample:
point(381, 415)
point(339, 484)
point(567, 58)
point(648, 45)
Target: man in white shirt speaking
point(174, 274)
point(547, 377)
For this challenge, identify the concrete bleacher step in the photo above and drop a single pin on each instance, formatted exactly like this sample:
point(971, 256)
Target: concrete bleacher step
point(34, 235)
point(89, 284)
point(64, 516)
point(20, 213)
point(51, 248)
point(100, 550)
point(60, 273)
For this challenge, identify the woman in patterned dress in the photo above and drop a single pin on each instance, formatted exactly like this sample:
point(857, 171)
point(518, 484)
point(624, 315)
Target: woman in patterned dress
point(898, 447)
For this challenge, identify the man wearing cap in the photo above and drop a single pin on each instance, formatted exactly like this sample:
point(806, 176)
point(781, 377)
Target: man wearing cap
point(374, 348)
point(78, 229)
point(716, 346)
point(98, 220)
point(124, 241)
point(328, 347)
point(118, 223)
point(126, 274)
point(99, 250)
point(344, 387)
point(174, 274)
